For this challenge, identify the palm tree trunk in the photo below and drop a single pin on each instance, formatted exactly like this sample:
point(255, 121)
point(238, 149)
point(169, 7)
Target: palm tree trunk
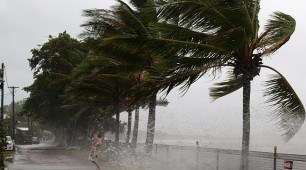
point(128, 133)
point(135, 130)
point(151, 124)
point(244, 164)
point(118, 126)
point(73, 135)
point(60, 136)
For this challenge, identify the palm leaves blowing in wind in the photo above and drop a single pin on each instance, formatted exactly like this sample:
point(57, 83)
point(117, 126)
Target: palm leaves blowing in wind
point(200, 37)
point(192, 38)
point(119, 25)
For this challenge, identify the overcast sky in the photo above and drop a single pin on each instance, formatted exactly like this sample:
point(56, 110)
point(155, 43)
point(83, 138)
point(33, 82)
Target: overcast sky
point(24, 24)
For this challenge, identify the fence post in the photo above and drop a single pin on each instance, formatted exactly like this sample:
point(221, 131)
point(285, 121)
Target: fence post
point(218, 157)
point(167, 153)
point(197, 142)
point(156, 149)
point(275, 155)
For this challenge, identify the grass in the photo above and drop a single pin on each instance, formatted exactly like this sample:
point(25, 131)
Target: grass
point(8, 157)
point(8, 153)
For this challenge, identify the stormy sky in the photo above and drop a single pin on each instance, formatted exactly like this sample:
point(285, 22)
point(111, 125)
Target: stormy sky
point(24, 24)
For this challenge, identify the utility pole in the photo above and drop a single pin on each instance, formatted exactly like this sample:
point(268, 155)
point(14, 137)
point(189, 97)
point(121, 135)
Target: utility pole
point(2, 134)
point(13, 93)
point(2, 90)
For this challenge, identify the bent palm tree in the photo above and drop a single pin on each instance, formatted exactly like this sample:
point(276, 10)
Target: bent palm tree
point(123, 21)
point(208, 35)
point(99, 83)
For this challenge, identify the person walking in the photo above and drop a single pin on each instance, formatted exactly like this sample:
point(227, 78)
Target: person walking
point(96, 142)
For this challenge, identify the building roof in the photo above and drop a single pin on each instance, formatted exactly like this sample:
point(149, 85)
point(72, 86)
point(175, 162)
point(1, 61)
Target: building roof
point(22, 128)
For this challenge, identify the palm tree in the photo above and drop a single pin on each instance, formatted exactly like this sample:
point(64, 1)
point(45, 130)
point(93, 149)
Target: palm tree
point(135, 128)
point(129, 126)
point(123, 21)
point(107, 84)
point(200, 37)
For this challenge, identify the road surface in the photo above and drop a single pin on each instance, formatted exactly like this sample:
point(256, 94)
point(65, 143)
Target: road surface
point(47, 157)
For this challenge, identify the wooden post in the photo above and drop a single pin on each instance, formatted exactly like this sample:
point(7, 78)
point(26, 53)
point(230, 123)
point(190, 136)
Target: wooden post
point(156, 149)
point(218, 157)
point(197, 142)
point(275, 155)
point(167, 153)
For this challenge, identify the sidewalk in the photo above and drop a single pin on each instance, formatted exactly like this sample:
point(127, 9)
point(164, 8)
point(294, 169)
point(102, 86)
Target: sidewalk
point(47, 156)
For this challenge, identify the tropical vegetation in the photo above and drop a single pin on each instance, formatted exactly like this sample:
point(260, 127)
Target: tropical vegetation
point(104, 25)
point(54, 63)
point(199, 37)
point(131, 53)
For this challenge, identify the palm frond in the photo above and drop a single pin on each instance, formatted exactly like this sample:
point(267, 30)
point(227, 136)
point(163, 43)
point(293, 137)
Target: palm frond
point(120, 20)
point(287, 105)
point(160, 47)
point(60, 79)
point(139, 3)
point(211, 16)
point(166, 81)
point(277, 32)
point(201, 14)
point(231, 84)
point(103, 23)
point(188, 70)
point(172, 31)
point(159, 102)
point(252, 7)
point(129, 17)
point(228, 39)
point(162, 102)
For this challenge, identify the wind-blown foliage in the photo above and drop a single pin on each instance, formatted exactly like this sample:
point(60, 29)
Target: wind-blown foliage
point(288, 107)
point(277, 32)
point(105, 80)
point(115, 27)
point(201, 37)
point(213, 20)
point(52, 63)
point(226, 87)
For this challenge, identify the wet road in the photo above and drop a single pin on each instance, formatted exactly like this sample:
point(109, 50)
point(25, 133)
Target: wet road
point(47, 157)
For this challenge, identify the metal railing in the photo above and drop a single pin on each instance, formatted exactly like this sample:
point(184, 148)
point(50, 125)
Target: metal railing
point(200, 158)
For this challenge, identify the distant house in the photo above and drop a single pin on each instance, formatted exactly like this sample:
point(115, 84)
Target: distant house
point(23, 129)
point(5, 116)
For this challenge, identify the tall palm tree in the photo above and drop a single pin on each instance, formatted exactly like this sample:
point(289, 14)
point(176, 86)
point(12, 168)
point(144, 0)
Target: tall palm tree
point(135, 128)
point(113, 86)
point(201, 37)
point(123, 21)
